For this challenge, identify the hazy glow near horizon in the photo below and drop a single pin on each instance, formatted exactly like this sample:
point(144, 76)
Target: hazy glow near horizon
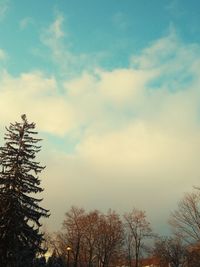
point(114, 88)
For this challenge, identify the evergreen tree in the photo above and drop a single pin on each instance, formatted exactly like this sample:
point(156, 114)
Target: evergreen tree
point(20, 238)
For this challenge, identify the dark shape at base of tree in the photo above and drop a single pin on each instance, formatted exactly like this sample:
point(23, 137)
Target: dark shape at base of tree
point(20, 238)
point(56, 261)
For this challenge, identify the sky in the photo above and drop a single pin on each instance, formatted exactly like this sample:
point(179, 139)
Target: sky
point(114, 89)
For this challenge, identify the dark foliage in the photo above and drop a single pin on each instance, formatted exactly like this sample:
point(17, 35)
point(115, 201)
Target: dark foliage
point(39, 262)
point(20, 239)
point(55, 261)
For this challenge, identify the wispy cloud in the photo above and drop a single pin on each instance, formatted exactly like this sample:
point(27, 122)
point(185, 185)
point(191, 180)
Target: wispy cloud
point(59, 51)
point(60, 44)
point(4, 7)
point(3, 54)
point(175, 8)
point(120, 21)
point(55, 29)
point(25, 22)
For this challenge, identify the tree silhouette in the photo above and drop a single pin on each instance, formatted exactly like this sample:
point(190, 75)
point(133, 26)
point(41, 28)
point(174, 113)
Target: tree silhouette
point(138, 229)
point(20, 238)
point(185, 220)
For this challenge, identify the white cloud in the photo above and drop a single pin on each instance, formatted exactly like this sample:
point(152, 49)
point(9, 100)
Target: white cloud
point(149, 156)
point(35, 95)
point(124, 85)
point(137, 128)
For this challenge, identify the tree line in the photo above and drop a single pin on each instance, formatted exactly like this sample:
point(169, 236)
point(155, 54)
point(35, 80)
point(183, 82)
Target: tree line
point(87, 238)
point(97, 239)
point(103, 240)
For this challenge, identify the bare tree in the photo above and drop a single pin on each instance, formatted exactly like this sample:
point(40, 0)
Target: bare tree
point(73, 227)
point(94, 238)
point(110, 237)
point(55, 244)
point(128, 244)
point(90, 238)
point(185, 221)
point(170, 250)
point(137, 230)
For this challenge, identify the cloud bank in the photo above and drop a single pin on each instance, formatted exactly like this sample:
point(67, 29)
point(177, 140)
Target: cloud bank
point(134, 131)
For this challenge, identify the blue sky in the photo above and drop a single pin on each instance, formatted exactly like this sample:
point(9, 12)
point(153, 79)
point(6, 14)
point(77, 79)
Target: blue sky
point(114, 89)
point(111, 29)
